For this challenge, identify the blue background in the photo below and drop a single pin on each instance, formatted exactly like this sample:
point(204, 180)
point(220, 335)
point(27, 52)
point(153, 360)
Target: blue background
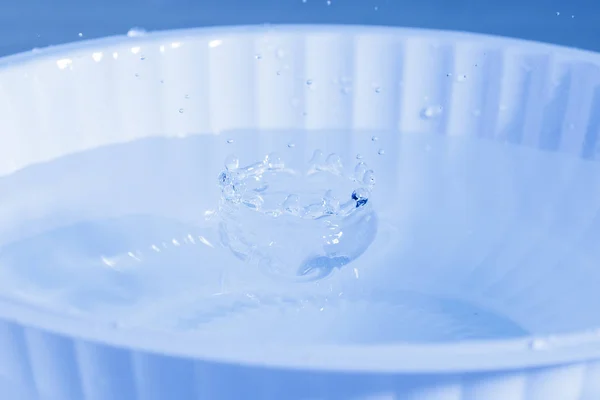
point(25, 24)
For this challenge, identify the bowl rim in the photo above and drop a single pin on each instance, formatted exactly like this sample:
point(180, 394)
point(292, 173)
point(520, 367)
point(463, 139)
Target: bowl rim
point(465, 356)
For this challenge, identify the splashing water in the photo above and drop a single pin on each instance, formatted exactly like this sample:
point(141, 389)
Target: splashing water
point(297, 224)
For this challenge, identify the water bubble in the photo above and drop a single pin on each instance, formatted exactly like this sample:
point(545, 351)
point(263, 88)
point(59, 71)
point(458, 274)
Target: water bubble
point(181, 111)
point(229, 141)
point(258, 56)
point(274, 161)
point(369, 178)
point(431, 112)
point(291, 145)
point(377, 89)
point(309, 82)
point(381, 152)
point(232, 162)
point(142, 57)
point(136, 32)
point(374, 138)
point(557, 13)
point(359, 156)
point(80, 34)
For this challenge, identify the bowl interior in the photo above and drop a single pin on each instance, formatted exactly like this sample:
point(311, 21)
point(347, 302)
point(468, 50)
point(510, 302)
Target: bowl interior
point(484, 151)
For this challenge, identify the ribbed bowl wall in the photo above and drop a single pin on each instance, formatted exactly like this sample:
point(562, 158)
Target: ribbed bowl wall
point(207, 82)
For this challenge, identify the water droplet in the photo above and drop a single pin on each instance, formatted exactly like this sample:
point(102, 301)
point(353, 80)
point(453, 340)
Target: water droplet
point(359, 156)
point(181, 111)
point(232, 162)
point(274, 161)
point(381, 152)
point(291, 204)
point(461, 78)
point(449, 75)
point(229, 141)
point(331, 203)
point(162, 81)
point(328, 2)
point(431, 112)
point(557, 13)
point(361, 196)
point(187, 96)
point(258, 56)
point(137, 75)
point(374, 138)
point(376, 8)
point(377, 89)
point(309, 82)
point(278, 73)
point(136, 32)
point(304, 1)
point(369, 178)
point(142, 57)
point(334, 163)
point(359, 171)
point(291, 145)
point(80, 34)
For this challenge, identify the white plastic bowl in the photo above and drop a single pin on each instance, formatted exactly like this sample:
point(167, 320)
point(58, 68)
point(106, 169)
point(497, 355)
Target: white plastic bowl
point(524, 244)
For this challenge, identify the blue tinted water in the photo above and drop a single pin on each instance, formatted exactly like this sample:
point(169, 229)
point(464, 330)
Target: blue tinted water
point(131, 234)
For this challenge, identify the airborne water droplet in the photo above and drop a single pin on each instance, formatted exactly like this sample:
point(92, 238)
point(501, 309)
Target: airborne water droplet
point(229, 141)
point(381, 152)
point(374, 138)
point(431, 112)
